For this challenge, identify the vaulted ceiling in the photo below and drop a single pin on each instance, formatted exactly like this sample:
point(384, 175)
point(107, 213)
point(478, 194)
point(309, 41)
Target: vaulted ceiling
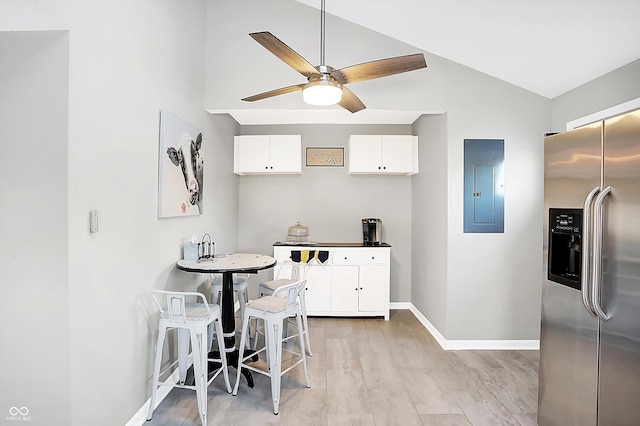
point(545, 46)
point(548, 47)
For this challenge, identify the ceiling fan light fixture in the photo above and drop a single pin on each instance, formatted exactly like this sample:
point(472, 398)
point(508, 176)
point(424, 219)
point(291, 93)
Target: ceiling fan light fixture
point(322, 93)
point(326, 85)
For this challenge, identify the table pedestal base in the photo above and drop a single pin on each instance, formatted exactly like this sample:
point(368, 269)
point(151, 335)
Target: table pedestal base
point(232, 361)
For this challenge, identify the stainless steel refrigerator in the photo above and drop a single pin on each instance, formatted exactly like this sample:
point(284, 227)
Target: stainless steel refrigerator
point(590, 329)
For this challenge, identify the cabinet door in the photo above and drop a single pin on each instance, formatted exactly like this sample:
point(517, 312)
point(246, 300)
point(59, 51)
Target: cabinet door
point(397, 154)
point(285, 154)
point(373, 289)
point(344, 289)
point(365, 153)
point(318, 289)
point(252, 154)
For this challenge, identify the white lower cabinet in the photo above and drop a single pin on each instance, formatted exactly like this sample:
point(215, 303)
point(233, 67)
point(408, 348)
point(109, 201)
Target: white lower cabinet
point(318, 292)
point(344, 289)
point(373, 293)
point(353, 282)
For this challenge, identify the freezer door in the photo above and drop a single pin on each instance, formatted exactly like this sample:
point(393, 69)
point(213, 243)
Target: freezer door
point(620, 335)
point(567, 391)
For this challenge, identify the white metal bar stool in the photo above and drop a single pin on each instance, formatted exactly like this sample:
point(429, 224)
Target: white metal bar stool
point(239, 286)
point(273, 310)
point(299, 271)
point(192, 322)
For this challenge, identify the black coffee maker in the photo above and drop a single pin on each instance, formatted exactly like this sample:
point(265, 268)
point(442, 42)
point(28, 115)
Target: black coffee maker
point(371, 231)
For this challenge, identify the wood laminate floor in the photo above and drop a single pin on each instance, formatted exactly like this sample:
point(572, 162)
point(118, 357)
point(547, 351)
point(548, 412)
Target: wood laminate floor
point(368, 371)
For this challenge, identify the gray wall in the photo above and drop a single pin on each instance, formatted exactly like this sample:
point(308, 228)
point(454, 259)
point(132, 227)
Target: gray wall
point(611, 89)
point(127, 60)
point(124, 62)
point(490, 287)
point(492, 280)
point(429, 222)
point(34, 352)
point(328, 200)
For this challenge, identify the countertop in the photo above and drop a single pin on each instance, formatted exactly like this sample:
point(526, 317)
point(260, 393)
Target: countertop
point(310, 244)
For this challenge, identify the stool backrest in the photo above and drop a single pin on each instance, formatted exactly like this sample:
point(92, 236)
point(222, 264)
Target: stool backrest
point(290, 292)
point(299, 270)
point(175, 303)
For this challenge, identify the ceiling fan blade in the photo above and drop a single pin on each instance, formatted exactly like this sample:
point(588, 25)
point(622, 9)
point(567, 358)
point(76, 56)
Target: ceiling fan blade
point(350, 101)
point(379, 68)
point(285, 53)
point(275, 92)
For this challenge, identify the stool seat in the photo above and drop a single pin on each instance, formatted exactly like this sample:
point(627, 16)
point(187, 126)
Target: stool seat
point(270, 304)
point(274, 284)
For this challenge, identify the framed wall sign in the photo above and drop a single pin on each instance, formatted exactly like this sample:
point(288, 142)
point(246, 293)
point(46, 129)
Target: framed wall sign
point(332, 157)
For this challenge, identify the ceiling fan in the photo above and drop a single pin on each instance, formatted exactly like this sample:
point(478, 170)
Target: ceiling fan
point(325, 85)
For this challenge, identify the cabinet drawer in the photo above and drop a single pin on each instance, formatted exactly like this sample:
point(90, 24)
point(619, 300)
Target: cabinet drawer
point(360, 257)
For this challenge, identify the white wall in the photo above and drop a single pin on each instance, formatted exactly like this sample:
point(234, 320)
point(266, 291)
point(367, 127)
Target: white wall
point(34, 330)
point(127, 61)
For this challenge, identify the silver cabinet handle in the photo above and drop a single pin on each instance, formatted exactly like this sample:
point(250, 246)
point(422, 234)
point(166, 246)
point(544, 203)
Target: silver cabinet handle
point(586, 250)
point(597, 254)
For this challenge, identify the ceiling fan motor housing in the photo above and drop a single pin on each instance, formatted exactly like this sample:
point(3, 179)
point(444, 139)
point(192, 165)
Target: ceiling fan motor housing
point(322, 89)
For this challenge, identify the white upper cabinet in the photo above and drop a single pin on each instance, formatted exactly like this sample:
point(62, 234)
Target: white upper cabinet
point(383, 154)
point(267, 154)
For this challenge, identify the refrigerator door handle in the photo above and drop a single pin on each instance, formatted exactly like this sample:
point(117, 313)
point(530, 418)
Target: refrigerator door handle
point(586, 251)
point(597, 254)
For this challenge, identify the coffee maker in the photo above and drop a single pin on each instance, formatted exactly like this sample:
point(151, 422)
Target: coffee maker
point(371, 231)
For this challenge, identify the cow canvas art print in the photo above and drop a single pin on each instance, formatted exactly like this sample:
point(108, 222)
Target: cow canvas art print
point(181, 167)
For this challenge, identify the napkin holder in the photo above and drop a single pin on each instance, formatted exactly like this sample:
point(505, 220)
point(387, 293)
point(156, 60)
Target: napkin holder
point(190, 251)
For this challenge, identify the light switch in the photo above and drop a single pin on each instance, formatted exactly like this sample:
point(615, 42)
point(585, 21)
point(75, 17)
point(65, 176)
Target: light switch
point(93, 221)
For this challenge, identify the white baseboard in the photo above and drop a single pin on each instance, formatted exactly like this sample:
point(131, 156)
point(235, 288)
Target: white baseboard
point(140, 417)
point(400, 305)
point(493, 345)
point(462, 345)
